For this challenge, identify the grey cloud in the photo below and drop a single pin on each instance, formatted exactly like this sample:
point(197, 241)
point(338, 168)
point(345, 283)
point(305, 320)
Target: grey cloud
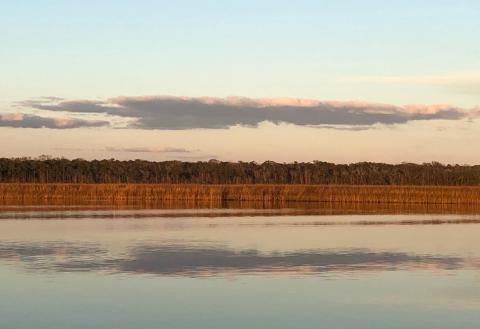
point(167, 112)
point(57, 104)
point(20, 120)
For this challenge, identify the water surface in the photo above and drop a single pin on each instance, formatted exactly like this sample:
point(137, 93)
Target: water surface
point(237, 269)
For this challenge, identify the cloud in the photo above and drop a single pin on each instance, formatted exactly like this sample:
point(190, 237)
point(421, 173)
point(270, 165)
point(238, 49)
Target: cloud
point(174, 153)
point(467, 83)
point(168, 150)
point(200, 157)
point(21, 120)
point(169, 112)
point(170, 153)
point(420, 79)
point(149, 150)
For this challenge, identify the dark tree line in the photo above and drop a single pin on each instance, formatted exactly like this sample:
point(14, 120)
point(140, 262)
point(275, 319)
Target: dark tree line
point(46, 170)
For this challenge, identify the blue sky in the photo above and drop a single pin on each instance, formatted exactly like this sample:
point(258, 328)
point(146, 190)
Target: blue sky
point(393, 52)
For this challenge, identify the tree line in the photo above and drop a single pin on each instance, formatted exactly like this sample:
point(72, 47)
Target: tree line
point(59, 170)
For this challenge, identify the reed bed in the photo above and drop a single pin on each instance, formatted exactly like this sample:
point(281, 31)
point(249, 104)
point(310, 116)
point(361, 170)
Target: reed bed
point(220, 194)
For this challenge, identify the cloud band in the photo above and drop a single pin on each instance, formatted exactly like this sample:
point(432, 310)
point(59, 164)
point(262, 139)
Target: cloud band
point(169, 112)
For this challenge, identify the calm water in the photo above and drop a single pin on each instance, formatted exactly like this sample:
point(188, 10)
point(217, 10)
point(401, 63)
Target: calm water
point(237, 269)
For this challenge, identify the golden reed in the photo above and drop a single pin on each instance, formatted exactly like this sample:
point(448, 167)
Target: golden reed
point(191, 193)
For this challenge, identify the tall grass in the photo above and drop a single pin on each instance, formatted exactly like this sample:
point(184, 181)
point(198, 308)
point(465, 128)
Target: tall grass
point(219, 194)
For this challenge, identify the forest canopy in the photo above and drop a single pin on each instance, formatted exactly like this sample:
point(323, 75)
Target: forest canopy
point(59, 170)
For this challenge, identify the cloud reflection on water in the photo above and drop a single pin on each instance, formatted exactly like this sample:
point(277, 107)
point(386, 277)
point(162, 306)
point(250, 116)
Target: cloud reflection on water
point(196, 261)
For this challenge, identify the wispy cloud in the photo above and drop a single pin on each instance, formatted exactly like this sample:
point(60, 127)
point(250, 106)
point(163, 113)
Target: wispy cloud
point(461, 82)
point(427, 79)
point(167, 152)
point(173, 153)
point(149, 150)
point(140, 149)
point(193, 157)
point(21, 120)
point(170, 112)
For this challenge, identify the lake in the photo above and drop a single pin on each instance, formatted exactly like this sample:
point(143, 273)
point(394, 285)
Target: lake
point(228, 268)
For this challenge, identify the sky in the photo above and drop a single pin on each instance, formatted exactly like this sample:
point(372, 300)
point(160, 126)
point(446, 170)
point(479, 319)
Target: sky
point(340, 81)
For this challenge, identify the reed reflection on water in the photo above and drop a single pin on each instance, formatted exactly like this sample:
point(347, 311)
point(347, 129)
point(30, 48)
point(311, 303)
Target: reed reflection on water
point(283, 268)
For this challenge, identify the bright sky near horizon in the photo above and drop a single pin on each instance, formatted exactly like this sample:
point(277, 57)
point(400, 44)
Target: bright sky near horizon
point(241, 80)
